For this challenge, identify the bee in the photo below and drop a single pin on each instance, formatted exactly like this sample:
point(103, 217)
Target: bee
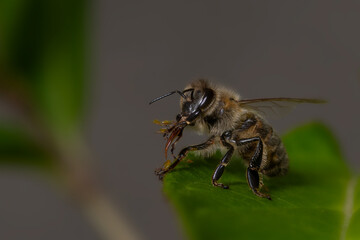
point(234, 125)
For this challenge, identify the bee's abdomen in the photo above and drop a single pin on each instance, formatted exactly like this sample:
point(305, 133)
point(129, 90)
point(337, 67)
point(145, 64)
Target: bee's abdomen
point(276, 162)
point(274, 159)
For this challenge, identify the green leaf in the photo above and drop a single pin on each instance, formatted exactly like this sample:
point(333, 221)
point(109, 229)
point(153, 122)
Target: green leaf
point(316, 200)
point(43, 48)
point(20, 150)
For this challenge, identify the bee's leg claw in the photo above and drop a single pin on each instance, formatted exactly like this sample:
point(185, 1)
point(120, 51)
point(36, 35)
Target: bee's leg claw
point(253, 180)
point(216, 184)
point(160, 172)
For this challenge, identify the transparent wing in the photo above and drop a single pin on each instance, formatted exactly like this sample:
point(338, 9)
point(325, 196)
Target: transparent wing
point(275, 107)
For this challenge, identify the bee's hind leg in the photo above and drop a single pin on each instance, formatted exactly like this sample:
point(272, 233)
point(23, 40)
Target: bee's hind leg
point(252, 173)
point(253, 180)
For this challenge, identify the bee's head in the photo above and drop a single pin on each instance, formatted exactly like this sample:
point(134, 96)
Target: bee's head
point(195, 99)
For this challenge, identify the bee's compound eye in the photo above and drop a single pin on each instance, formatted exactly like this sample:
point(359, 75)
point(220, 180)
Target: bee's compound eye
point(178, 117)
point(196, 94)
point(207, 98)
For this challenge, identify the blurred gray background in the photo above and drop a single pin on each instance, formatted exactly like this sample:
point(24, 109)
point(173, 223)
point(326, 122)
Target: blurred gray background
point(142, 49)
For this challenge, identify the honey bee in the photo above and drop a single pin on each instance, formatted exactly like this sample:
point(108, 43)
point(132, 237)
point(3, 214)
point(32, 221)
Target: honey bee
point(234, 125)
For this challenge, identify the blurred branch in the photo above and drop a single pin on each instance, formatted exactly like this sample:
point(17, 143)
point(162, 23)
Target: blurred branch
point(72, 166)
point(82, 186)
point(42, 81)
point(108, 221)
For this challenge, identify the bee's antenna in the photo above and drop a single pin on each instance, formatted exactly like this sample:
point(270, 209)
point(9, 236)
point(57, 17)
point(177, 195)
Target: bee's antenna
point(170, 93)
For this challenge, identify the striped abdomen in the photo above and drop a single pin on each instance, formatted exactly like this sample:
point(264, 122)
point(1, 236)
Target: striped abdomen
point(274, 158)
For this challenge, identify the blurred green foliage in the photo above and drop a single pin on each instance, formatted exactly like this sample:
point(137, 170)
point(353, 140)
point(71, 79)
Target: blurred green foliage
point(18, 149)
point(42, 103)
point(42, 47)
point(42, 59)
point(308, 203)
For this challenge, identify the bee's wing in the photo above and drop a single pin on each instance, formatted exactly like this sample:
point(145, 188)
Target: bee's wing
point(275, 106)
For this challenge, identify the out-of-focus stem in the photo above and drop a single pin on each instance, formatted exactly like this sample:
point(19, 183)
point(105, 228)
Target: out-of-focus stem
point(73, 163)
point(82, 185)
point(107, 219)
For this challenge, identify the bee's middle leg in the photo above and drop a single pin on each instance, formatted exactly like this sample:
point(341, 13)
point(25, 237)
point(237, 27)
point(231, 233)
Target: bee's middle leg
point(223, 163)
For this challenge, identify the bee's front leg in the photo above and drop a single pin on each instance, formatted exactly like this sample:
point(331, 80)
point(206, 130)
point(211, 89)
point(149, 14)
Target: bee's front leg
point(160, 172)
point(168, 166)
